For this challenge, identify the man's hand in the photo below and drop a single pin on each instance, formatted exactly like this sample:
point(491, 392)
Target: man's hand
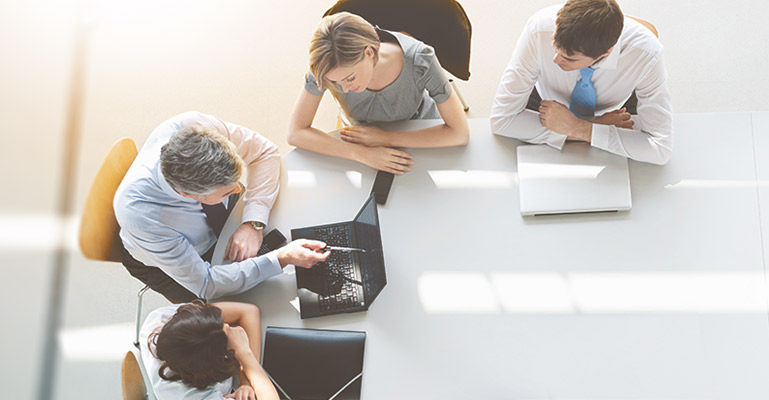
point(385, 159)
point(558, 118)
point(244, 392)
point(619, 118)
point(244, 243)
point(302, 253)
point(369, 136)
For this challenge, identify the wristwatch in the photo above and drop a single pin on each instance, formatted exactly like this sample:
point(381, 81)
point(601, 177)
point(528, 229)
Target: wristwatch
point(257, 225)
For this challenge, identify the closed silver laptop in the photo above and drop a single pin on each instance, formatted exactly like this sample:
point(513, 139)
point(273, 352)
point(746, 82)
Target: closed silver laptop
point(577, 179)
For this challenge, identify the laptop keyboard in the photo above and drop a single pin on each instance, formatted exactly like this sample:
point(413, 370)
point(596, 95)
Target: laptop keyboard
point(339, 287)
point(337, 235)
point(338, 274)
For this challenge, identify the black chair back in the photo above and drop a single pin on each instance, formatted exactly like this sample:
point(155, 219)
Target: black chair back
point(314, 363)
point(443, 24)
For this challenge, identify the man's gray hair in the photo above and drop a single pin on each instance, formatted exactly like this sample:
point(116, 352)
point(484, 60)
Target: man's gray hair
point(197, 161)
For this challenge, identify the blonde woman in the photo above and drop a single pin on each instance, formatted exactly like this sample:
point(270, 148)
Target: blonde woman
point(377, 76)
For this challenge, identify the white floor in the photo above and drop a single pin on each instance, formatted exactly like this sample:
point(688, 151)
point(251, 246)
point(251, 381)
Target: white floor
point(244, 61)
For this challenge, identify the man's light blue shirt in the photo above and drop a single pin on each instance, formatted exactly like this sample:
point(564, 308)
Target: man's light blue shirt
point(161, 228)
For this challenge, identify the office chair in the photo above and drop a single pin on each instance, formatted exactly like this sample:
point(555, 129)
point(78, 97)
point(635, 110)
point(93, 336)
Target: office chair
point(442, 24)
point(98, 227)
point(98, 236)
point(99, 239)
point(133, 378)
point(645, 23)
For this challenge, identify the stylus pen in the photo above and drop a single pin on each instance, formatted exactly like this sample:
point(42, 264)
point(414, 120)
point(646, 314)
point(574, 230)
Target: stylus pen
point(347, 249)
point(348, 279)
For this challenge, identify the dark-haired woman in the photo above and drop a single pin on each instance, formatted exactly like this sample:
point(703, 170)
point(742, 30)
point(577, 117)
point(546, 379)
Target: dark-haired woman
point(193, 351)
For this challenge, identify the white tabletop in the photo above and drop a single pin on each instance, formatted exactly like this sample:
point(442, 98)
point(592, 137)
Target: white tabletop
point(667, 300)
point(760, 122)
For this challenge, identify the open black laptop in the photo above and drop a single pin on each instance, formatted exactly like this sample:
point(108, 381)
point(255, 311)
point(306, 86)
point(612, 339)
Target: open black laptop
point(346, 281)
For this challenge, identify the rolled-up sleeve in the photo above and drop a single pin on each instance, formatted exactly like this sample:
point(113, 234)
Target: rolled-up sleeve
point(262, 161)
point(651, 139)
point(509, 116)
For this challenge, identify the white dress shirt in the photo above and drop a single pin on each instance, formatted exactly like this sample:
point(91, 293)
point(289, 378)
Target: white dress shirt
point(173, 390)
point(161, 228)
point(634, 64)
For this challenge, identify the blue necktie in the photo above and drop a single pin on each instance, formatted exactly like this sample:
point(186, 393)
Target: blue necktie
point(583, 96)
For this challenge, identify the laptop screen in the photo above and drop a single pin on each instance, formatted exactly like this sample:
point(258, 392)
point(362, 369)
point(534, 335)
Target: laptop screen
point(368, 237)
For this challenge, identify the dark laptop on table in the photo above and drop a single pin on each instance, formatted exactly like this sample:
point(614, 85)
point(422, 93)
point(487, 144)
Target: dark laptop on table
point(349, 280)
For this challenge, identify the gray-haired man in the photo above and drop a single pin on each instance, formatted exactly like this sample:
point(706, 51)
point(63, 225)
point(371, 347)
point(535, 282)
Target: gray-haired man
point(167, 203)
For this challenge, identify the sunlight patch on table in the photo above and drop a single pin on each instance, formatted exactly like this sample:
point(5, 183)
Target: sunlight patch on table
point(661, 292)
point(678, 292)
point(539, 293)
point(302, 179)
point(717, 184)
point(558, 171)
point(473, 179)
point(355, 178)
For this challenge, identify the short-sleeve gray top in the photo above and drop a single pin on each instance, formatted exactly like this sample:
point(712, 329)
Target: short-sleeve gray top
point(413, 95)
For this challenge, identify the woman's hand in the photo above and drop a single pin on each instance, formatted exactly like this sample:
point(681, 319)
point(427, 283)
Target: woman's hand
point(244, 392)
point(385, 159)
point(237, 340)
point(369, 136)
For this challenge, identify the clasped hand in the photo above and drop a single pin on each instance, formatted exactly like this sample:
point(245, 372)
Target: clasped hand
point(370, 136)
point(373, 149)
point(619, 118)
point(385, 159)
point(558, 118)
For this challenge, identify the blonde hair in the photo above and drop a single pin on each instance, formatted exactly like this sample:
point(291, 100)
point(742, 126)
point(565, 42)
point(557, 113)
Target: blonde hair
point(340, 40)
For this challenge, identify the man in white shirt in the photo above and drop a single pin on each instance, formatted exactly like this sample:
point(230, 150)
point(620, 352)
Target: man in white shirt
point(174, 199)
point(617, 59)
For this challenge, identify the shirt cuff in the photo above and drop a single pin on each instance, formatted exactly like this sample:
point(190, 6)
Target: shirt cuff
point(600, 136)
point(255, 213)
point(269, 265)
point(556, 140)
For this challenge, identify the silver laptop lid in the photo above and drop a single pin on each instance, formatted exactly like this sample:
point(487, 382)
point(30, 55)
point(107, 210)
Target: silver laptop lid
point(577, 179)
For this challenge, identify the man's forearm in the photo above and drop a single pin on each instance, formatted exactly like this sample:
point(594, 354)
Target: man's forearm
point(581, 131)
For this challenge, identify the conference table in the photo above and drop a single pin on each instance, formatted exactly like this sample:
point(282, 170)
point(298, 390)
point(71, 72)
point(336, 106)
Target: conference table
point(667, 300)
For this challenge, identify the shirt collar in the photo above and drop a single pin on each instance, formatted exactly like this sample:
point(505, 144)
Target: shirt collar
point(611, 61)
point(167, 189)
